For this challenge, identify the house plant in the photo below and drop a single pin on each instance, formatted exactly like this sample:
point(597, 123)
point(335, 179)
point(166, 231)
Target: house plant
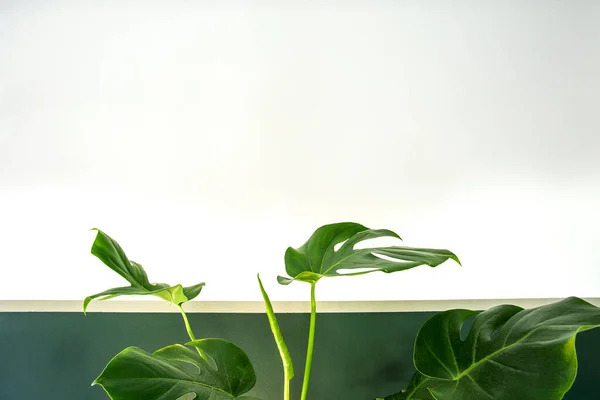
point(508, 352)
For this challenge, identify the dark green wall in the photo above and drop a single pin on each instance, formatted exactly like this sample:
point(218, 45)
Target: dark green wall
point(55, 356)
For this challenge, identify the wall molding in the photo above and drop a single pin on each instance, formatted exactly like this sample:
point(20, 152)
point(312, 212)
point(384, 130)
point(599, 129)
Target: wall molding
point(143, 306)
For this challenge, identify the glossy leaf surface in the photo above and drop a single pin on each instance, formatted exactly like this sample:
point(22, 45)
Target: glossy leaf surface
point(318, 257)
point(176, 370)
point(509, 353)
point(111, 254)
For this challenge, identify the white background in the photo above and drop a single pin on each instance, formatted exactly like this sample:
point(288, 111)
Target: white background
point(207, 136)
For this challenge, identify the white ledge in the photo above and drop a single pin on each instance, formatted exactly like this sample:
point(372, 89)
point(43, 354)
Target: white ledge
point(133, 306)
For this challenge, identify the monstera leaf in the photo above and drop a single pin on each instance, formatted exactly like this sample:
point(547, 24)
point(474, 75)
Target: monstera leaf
point(174, 371)
point(111, 254)
point(318, 257)
point(509, 353)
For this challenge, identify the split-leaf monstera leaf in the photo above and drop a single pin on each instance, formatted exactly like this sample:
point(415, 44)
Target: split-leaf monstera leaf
point(111, 254)
point(509, 353)
point(176, 370)
point(318, 257)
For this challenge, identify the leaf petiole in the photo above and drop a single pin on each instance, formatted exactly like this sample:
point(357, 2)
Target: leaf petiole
point(311, 341)
point(191, 333)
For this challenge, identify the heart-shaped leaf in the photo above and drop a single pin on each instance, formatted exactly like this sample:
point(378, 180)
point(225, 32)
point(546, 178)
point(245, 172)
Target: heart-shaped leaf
point(318, 257)
point(176, 370)
point(111, 254)
point(509, 353)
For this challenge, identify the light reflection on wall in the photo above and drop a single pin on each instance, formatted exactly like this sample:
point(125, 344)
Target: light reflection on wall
point(207, 140)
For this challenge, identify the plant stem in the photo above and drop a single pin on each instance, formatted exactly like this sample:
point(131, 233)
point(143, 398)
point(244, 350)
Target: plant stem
point(311, 341)
point(286, 386)
point(191, 333)
point(286, 359)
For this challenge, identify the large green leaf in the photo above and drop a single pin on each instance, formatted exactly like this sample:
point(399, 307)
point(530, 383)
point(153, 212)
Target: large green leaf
point(111, 254)
point(318, 257)
point(176, 370)
point(509, 353)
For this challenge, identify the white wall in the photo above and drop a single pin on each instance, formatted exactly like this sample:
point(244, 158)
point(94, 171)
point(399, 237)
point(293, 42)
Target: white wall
point(208, 136)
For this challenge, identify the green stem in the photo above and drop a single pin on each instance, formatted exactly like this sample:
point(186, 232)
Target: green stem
point(286, 359)
point(190, 333)
point(286, 387)
point(311, 342)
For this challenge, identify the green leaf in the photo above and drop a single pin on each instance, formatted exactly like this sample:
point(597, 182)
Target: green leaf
point(318, 258)
point(509, 353)
point(286, 358)
point(111, 254)
point(176, 370)
point(417, 389)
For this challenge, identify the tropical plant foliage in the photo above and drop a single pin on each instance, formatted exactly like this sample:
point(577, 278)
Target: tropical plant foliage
point(217, 370)
point(505, 353)
point(509, 353)
point(111, 254)
point(136, 374)
point(318, 257)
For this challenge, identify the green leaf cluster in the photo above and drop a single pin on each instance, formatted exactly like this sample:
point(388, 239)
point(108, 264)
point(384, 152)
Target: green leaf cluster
point(506, 353)
point(217, 370)
point(509, 353)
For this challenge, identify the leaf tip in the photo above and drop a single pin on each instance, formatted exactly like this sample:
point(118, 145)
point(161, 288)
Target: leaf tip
point(260, 282)
point(86, 302)
point(96, 231)
point(455, 258)
point(283, 280)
